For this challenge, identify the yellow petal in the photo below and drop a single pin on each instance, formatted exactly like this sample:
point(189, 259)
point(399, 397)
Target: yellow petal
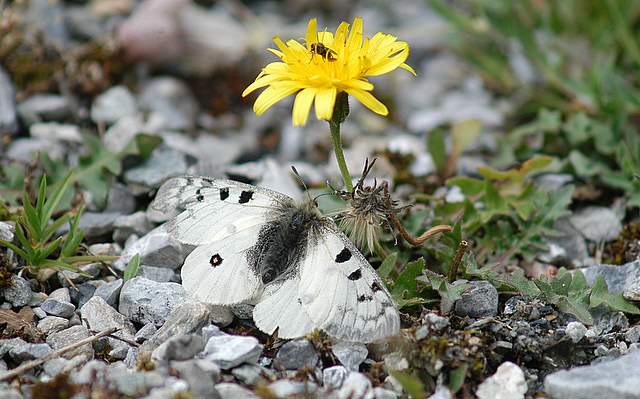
point(358, 84)
point(302, 106)
point(261, 81)
point(270, 96)
point(341, 34)
point(325, 99)
point(407, 67)
point(312, 33)
point(355, 35)
point(369, 101)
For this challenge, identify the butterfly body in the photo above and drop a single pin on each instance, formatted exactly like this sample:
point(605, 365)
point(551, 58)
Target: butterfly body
point(259, 246)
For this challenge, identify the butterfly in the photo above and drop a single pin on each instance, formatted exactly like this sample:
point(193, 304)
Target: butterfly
point(255, 245)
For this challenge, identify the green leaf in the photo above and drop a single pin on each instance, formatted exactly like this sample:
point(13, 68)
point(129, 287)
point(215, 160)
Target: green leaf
point(146, 143)
point(456, 378)
point(469, 186)
point(586, 167)
point(54, 199)
point(132, 268)
point(576, 308)
point(577, 128)
point(437, 149)
point(15, 249)
point(388, 266)
point(600, 296)
point(31, 218)
point(410, 383)
point(464, 134)
point(405, 284)
point(42, 193)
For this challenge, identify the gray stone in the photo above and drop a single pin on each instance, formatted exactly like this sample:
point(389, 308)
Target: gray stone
point(52, 324)
point(480, 300)
point(211, 331)
point(243, 311)
point(145, 332)
point(163, 164)
point(598, 224)
point(632, 292)
point(113, 104)
point(10, 393)
point(576, 331)
point(437, 323)
point(60, 365)
point(61, 294)
point(40, 314)
point(296, 354)
point(89, 271)
point(250, 374)
point(229, 351)
point(120, 200)
point(287, 388)
point(8, 117)
point(6, 345)
point(25, 149)
point(18, 293)
point(188, 318)
point(228, 390)
point(7, 231)
point(131, 382)
point(381, 393)
point(200, 382)
point(144, 301)
point(52, 131)
point(179, 347)
point(110, 292)
point(127, 225)
point(442, 392)
point(570, 240)
point(356, 385)
point(83, 293)
point(43, 107)
point(616, 379)
point(507, 383)
point(3, 365)
point(121, 133)
point(172, 100)
point(96, 225)
point(333, 377)
point(23, 353)
point(56, 307)
point(632, 335)
point(69, 336)
point(131, 360)
point(86, 374)
point(157, 248)
point(350, 354)
point(101, 316)
point(37, 298)
point(159, 274)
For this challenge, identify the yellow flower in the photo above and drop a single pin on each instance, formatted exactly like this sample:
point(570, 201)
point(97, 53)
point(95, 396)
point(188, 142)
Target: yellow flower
point(326, 65)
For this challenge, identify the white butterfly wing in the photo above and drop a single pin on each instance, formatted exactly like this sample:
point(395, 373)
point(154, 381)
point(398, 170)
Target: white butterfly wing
point(223, 218)
point(342, 293)
point(214, 209)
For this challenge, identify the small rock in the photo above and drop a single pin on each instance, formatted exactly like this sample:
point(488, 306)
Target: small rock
point(333, 377)
point(51, 324)
point(442, 392)
point(179, 347)
point(188, 318)
point(110, 292)
point(91, 270)
point(350, 354)
point(249, 374)
point(381, 393)
point(56, 131)
point(6, 345)
point(618, 278)
point(242, 311)
point(480, 300)
point(632, 291)
point(507, 383)
point(396, 361)
point(8, 117)
point(570, 240)
point(576, 331)
point(88, 372)
point(58, 308)
point(229, 351)
point(287, 389)
point(41, 314)
point(126, 225)
point(120, 200)
point(163, 164)
point(172, 100)
point(296, 354)
point(157, 248)
point(632, 335)
point(83, 293)
point(101, 316)
point(26, 352)
point(356, 385)
point(131, 359)
point(41, 107)
point(159, 274)
point(145, 332)
point(61, 294)
point(229, 390)
point(7, 231)
point(10, 393)
point(437, 323)
point(597, 224)
point(69, 336)
point(96, 225)
point(200, 382)
point(143, 300)
point(616, 379)
point(18, 293)
point(60, 365)
point(113, 104)
point(119, 136)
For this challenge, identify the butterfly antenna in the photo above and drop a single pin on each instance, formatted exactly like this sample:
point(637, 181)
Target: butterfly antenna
point(306, 189)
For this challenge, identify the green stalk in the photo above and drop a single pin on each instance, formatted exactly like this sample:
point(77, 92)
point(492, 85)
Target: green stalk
point(340, 112)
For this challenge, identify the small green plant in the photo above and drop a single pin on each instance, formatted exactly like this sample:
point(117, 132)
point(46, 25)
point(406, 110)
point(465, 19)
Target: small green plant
point(132, 268)
point(463, 134)
point(35, 230)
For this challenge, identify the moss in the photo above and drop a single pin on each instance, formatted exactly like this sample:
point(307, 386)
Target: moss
point(625, 248)
point(6, 277)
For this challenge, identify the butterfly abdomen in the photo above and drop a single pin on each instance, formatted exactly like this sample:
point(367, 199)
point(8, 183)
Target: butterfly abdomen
point(282, 244)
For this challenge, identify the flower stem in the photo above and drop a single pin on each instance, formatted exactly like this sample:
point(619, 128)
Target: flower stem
point(340, 112)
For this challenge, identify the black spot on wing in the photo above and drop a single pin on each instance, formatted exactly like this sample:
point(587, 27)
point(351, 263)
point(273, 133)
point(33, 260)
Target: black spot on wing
point(224, 193)
point(216, 260)
point(375, 287)
point(343, 256)
point(356, 275)
point(200, 198)
point(364, 297)
point(245, 196)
